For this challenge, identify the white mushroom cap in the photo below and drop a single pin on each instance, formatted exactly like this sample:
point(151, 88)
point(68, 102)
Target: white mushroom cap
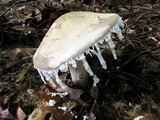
point(71, 35)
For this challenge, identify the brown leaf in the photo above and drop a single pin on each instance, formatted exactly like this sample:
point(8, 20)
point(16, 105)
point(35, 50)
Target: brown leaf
point(59, 114)
point(20, 114)
point(37, 114)
point(5, 114)
point(16, 111)
point(2, 102)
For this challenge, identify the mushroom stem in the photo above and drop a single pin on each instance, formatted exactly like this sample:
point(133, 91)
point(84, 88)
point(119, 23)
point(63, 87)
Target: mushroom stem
point(89, 70)
point(74, 74)
point(79, 74)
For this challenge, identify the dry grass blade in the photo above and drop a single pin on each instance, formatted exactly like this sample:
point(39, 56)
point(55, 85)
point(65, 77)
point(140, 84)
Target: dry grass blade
point(22, 74)
point(11, 64)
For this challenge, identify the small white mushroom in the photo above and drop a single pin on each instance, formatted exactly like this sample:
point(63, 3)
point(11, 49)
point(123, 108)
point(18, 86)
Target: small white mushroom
point(69, 39)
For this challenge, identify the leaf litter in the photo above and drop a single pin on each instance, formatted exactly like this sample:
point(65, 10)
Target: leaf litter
point(128, 89)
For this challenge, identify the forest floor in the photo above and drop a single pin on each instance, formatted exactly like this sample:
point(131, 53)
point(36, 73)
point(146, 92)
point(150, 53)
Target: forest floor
point(131, 92)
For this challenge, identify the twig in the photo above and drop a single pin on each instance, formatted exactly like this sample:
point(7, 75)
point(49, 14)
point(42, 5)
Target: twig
point(1, 40)
point(17, 2)
point(136, 56)
point(134, 78)
point(10, 7)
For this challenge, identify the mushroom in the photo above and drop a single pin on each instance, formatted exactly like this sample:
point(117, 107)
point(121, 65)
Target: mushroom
point(70, 38)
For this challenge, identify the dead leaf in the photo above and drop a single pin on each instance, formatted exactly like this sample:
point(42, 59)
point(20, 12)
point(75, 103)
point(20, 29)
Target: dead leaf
point(14, 112)
point(2, 102)
point(4, 114)
point(37, 114)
